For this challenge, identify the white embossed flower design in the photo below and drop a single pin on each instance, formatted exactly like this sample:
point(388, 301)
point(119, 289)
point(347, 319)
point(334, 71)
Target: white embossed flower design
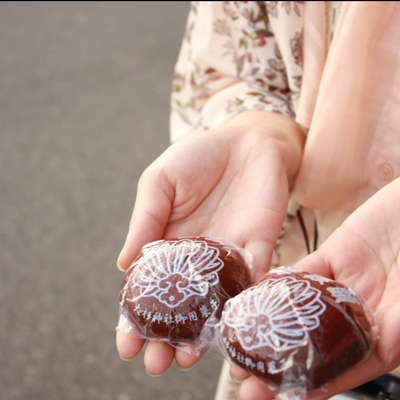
point(173, 271)
point(277, 313)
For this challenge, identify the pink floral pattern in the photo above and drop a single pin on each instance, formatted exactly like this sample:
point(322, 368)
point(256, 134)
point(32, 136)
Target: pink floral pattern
point(296, 45)
point(237, 56)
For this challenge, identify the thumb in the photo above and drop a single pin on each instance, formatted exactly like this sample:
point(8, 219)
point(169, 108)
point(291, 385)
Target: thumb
point(389, 341)
point(150, 215)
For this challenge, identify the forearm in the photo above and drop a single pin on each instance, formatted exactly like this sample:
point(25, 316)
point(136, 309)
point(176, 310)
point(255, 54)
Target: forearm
point(285, 134)
point(229, 64)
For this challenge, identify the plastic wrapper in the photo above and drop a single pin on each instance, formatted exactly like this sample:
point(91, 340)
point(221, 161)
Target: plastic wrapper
point(296, 331)
point(175, 286)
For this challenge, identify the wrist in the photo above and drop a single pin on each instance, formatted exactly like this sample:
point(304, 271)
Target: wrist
point(284, 133)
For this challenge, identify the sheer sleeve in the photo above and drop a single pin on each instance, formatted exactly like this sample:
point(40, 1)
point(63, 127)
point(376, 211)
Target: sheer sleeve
point(236, 56)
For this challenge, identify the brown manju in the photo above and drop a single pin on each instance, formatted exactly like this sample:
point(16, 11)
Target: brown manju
point(175, 285)
point(296, 329)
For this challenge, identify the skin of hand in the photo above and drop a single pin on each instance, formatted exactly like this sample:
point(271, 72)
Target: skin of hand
point(231, 182)
point(363, 253)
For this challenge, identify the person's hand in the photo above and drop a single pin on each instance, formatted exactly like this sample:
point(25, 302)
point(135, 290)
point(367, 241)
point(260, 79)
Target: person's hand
point(363, 253)
point(230, 182)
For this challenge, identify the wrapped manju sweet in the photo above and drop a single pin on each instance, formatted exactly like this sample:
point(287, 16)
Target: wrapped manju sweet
point(174, 286)
point(296, 330)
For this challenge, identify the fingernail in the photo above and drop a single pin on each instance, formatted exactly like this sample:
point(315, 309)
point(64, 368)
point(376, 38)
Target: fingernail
point(119, 263)
point(154, 376)
point(184, 369)
point(126, 359)
point(236, 380)
point(393, 353)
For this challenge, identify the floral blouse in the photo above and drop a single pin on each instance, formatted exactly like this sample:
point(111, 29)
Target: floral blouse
point(237, 56)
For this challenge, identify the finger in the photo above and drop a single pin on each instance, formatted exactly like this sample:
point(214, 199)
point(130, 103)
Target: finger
point(158, 357)
point(150, 215)
point(128, 346)
point(389, 341)
point(315, 264)
point(239, 373)
point(396, 371)
point(254, 389)
point(262, 254)
point(184, 359)
point(364, 372)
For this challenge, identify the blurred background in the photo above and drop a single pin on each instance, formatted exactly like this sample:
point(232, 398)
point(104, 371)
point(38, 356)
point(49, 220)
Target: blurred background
point(84, 108)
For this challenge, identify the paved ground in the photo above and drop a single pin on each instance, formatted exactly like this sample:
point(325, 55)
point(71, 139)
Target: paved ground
point(84, 92)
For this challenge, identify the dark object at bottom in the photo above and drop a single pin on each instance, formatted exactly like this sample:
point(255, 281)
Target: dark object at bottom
point(386, 387)
point(391, 390)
